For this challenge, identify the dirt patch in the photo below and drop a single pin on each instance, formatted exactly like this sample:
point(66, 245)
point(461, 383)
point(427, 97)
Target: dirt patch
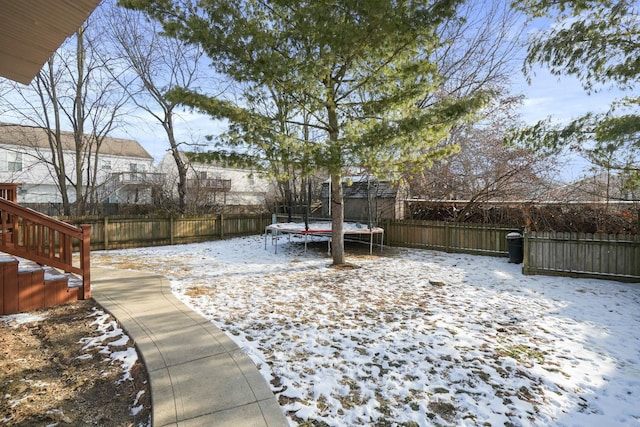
point(50, 376)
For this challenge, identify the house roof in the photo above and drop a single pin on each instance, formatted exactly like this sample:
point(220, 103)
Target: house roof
point(31, 30)
point(598, 187)
point(35, 137)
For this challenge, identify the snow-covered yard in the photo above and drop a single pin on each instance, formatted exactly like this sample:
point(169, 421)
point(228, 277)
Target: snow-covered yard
point(412, 337)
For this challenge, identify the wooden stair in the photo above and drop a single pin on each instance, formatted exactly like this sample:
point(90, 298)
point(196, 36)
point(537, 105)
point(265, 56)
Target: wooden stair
point(37, 265)
point(28, 286)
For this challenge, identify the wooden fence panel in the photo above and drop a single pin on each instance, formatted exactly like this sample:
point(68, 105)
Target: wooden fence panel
point(483, 239)
point(568, 254)
point(242, 226)
point(119, 232)
point(195, 229)
point(134, 232)
point(579, 254)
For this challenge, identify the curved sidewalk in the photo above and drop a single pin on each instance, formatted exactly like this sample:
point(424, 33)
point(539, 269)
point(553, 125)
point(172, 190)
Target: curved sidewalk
point(198, 375)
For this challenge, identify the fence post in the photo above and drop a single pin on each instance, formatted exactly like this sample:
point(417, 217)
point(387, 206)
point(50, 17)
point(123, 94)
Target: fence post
point(221, 226)
point(447, 237)
point(105, 234)
point(525, 254)
point(171, 230)
point(85, 263)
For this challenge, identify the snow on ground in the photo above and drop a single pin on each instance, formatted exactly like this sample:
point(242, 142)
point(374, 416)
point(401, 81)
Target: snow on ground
point(21, 318)
point(111, 337)
point(414, 337)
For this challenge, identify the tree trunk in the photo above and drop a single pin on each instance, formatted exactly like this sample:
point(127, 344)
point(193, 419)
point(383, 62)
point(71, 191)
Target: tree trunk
point(337, 219)
point(53, 135)
point(182, 180)
point(79, 125)
point(180, 163)
point(335, 154)
point(307, 205)
point(289, 199)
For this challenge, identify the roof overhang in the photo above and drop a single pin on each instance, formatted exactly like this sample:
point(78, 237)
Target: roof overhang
point(31, 30)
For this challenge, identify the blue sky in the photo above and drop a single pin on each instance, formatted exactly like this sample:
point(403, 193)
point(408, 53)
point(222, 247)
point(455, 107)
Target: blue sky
point(562, 99)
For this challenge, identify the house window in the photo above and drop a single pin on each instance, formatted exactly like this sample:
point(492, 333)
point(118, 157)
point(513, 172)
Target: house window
point(134, 169)
point(203, 175)
point(10, 161)
point(252, 181)
point(14, 162)
point(106, 164)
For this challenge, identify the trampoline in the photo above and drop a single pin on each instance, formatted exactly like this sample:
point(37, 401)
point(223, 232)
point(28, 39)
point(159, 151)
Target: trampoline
point(322, 229)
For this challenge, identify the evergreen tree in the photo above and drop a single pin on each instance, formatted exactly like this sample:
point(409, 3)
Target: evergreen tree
point(355, 72)
point(597, 41)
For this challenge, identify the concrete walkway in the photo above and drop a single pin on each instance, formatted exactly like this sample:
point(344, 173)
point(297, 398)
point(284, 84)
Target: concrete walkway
point(198, 375)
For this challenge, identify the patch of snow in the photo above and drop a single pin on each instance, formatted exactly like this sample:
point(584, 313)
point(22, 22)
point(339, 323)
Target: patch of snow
point(127, 358)
point(111, 337)
point(21, 318)
point(135, 410)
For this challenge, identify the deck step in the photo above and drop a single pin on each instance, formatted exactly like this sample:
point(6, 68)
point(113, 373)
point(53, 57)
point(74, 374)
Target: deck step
point(28, 286)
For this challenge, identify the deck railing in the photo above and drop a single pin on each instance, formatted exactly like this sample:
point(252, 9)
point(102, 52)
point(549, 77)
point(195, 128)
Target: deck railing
point(31, 235)
point(9, 192)
point(213, 184)
point(118, 180)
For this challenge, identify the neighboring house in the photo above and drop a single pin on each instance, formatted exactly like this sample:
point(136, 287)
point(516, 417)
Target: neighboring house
point(211, 184)
point(368, 199)
point(125, 169)
point(599, 187)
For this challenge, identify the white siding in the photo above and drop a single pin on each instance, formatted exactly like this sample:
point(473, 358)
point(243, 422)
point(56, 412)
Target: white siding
point(247, 187)
point(37, 178)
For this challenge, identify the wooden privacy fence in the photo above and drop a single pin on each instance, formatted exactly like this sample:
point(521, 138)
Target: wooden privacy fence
point(603, 256)
point(130, 232)
point(481, 239)
point(568, 254)
point(607, 256)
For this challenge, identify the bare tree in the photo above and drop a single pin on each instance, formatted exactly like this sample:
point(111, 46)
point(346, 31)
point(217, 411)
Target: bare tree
point(74, 90)
point(485, 169)
point(481, 53)
point(160, 65)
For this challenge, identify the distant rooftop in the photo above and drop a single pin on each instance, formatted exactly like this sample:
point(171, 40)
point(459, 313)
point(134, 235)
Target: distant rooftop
point(36, 137)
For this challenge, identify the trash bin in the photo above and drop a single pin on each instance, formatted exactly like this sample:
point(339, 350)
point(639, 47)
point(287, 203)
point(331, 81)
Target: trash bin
point(515, 247)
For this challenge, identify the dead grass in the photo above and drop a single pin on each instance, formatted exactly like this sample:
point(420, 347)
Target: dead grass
point(48, 379)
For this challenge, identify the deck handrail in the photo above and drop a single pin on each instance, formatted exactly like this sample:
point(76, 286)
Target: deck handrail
point(31, 235)
point(118, 180)
point(210, 184)
point(9, 191)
